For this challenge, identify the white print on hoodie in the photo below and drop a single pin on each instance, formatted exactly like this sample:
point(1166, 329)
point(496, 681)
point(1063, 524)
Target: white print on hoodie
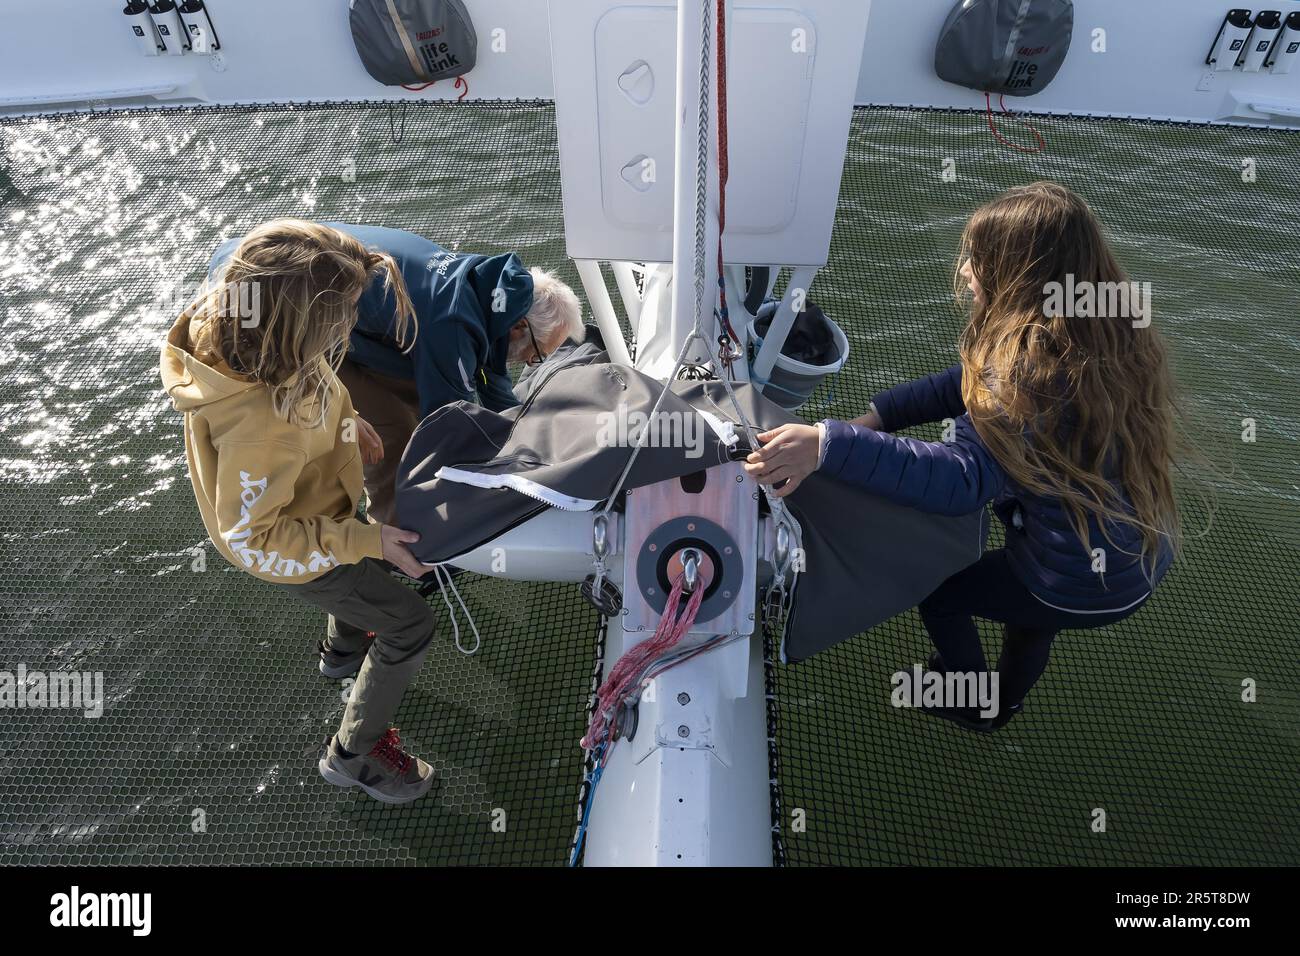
point(237, 539)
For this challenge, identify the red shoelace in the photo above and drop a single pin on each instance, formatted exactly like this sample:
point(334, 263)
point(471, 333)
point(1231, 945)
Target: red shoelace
point(389, 748)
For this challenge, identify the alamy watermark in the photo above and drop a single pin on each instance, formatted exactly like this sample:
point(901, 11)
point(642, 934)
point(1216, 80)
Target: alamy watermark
point(959, 690)
point(76, 908)
point(1098, 300)
point(626, 428)
point(53, 690)
point(239, 300)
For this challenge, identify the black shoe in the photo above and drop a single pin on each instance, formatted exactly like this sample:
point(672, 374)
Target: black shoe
point(1005, 714)
point(337, 665)
point(966, 718)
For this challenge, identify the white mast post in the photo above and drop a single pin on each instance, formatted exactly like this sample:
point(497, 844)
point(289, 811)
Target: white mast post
point(687, 783)
point(691, 51)
point(691, 788)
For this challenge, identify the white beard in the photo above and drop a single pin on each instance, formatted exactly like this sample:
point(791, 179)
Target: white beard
point(519, 350)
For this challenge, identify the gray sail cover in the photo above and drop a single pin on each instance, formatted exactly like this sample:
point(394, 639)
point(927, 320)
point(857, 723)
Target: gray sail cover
point(866, 559)
point(1012, 47)
point(413, 41)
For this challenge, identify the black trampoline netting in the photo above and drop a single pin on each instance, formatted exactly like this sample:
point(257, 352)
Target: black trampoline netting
point(214, 712)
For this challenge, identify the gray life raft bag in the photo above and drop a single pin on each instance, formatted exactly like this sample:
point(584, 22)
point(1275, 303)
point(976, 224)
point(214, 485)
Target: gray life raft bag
point(413, 41)
point(1011, 47)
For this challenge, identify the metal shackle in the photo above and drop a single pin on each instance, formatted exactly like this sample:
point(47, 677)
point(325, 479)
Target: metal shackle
point(690, 570)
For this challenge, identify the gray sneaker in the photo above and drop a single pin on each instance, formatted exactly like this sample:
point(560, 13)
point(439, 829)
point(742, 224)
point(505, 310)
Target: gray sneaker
point(338, 665)
point(387, 773)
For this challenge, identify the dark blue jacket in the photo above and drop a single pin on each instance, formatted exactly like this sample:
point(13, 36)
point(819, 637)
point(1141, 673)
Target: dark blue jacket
point(961, 476)
point(460, 348)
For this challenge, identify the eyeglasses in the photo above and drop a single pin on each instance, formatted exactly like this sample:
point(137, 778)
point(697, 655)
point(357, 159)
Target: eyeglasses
point(538, 356)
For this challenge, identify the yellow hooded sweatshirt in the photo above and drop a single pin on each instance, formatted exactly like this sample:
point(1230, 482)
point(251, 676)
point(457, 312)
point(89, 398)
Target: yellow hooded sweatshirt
point(279, 501)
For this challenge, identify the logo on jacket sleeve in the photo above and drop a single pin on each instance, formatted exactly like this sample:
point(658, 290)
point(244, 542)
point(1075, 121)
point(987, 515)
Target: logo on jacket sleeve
point(272, 562)
point(440, 262)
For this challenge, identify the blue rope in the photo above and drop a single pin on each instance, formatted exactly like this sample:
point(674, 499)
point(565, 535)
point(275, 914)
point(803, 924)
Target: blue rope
point(593, 778)
point(830, 392)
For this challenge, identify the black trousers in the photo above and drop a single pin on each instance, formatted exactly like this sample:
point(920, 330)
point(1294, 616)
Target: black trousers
point(990, 590)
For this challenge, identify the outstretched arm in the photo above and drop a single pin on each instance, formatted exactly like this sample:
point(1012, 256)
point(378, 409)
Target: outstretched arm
point(953, 478)
point(949, 478)
point(919, 402)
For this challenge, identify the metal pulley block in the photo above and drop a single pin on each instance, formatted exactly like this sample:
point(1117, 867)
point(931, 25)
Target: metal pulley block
point(602, 595)
point(597, 589)
point(626, 720)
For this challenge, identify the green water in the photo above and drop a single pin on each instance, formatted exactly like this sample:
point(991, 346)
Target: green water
point(215, 712)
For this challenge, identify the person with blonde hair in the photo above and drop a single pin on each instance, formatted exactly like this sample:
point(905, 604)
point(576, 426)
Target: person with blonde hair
point(275, 450)
point(473, 316)
point(1064, 419)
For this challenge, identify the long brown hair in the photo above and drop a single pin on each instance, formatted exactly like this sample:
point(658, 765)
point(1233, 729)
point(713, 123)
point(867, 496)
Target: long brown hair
point(1062, 400)
point(297, 283)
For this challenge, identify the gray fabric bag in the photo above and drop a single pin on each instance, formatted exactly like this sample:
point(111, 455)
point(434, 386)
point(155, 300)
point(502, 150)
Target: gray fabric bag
point(866, 558)
point(1011, 47)
point(413, 41)
point(590, 349)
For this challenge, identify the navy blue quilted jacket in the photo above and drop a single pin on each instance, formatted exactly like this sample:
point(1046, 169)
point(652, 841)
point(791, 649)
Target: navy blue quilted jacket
point(961, 476)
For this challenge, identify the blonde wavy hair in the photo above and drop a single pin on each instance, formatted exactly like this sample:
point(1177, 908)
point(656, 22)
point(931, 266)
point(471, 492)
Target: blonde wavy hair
point(1061, 400)
point(302, 280)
